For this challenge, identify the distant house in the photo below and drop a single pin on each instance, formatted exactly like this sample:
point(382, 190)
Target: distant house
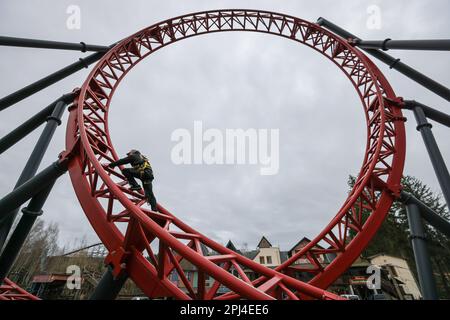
point(400, 274)
point(51, 283)
point(191, 273)
point(323, 259)
point(267, 255)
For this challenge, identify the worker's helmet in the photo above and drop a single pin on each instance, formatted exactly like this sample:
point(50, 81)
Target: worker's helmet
point(133, 151)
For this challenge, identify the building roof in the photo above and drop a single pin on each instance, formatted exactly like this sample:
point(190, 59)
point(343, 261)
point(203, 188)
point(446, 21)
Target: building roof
point(305, 239)
point(49, 278)
point(251, 254)
point(384, 254)
point(361, 262)
point(230, 245)
point(264, 243)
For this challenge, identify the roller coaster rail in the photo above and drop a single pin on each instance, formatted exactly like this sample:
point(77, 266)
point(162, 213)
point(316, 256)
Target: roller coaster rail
point(108, 203)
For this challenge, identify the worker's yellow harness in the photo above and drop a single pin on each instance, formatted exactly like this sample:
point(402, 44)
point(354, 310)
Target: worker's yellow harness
point(143, 166)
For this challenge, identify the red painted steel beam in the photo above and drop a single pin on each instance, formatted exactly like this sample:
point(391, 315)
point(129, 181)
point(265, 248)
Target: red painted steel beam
point(11, 291)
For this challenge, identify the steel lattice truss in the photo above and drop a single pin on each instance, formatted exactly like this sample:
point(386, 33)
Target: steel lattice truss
point(154, 243)
point(11, 291)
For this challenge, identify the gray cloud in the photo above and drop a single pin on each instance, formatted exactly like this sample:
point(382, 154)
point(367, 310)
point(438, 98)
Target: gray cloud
point(233, 80)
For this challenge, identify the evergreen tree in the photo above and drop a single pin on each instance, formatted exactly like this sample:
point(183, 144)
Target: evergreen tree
point(393, 237)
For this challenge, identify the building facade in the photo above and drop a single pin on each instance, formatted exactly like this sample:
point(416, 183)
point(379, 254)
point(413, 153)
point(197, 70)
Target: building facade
point(268, 255)
point(400, 273)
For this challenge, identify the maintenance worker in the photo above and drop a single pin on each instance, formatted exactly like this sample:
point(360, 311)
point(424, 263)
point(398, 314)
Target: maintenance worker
point(140, 169)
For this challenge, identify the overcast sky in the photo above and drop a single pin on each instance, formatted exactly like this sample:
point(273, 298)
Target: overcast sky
point(228, 81)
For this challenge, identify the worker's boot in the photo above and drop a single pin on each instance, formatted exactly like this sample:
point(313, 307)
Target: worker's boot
point(153, 206)
point(135, 187)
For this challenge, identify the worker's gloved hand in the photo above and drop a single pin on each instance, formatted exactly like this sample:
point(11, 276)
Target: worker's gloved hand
point(111, 166)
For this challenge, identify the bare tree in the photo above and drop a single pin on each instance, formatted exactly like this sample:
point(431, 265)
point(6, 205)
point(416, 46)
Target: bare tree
point(41, 243)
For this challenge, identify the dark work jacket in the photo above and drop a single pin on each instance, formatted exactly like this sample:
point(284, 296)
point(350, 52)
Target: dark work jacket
point(134, 159)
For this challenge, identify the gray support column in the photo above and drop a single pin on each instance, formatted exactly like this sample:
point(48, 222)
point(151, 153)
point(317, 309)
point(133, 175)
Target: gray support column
point(109, 287)
point(30, 188)
point(433, 151)
point(43, 83)
point(33, 163)
point(23, 228)
point(31, 124)
point(392, 62)
point(421, 255)
point(428, 214)
point(432, 44)
point(47, 44)
point(430, 113)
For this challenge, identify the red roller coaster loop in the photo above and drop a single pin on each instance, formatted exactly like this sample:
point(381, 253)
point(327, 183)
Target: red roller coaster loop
point(154, 243)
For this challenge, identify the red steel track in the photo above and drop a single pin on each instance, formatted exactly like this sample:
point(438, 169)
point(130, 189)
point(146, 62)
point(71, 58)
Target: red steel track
point(153, 244)
point(11, 291)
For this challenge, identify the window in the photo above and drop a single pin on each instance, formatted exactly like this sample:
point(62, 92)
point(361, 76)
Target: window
point(269, 260)
point(261, 260)
point(208, 280)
